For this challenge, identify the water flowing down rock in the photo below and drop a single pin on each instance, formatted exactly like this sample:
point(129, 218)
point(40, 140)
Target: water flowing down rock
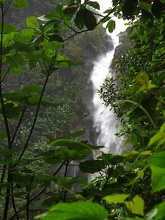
point(104, 119)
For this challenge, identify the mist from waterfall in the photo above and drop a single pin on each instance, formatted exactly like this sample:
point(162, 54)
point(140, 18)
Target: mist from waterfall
point(104, 119)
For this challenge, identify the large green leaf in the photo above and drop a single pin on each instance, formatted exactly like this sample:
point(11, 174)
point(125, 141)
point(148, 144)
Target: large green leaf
point(45, 178)
point(119, 198)
point(67, 182)
point(22, 178)
point(59, 10)
point(32, 22)
point(33, 99)
point(9, 152)
point(20, 4)
point(146, 6)
point(53, 45)
point(8, 28)
point(91, 166)
point(8, 41)
point(56, 37)
point(11, 110)
point(24, 47)
point(16, 70)
point(158, 159)
point(73, 145)
point(63, 61)
point(157, 213)
point(77, 133)
point(31, 89)
point(136, 206)
point(158, 178)
point(2, 135)
point(25, 36)
point(159, 137)
point(76, 211)
point(50, 201)
point(143, 79)
point(16, 60)
point(111, 26)
point(79, 19)
point(94, 5)
point(128, 8)
point(33, 59)
point(69, 11)
point(146, 14)
point(89, 19)
point(63, 153)
point(112, 159)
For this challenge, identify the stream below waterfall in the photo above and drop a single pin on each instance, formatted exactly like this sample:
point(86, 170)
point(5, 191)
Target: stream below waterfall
point(104, 119)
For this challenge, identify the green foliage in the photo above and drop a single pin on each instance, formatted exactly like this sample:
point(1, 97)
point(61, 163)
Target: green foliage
point(136, 94)
point(116, 198)
point(139, 90)
point(20, 4)
point(110, 26)
point(76, 211)
point(91, 166)
point(36, 174)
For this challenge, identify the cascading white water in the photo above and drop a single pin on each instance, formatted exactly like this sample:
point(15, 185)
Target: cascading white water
point(104, 119)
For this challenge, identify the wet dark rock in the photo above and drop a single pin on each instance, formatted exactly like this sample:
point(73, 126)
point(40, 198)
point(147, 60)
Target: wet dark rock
point(124, 45)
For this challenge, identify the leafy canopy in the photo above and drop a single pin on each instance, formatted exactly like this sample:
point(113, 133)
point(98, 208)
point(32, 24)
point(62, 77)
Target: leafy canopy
point(129, 186)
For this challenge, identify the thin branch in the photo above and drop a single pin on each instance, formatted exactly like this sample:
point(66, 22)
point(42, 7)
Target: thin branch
point(9, 179)
point(27, 206)
point(65, 174)
point(70, 28)
point(17, 128)
point(112, 10)
point(36, 115)
point(79, 32)
point(41, 192)
point(5, 76)
point(1, 94)
point(106, 181)
point(3, 175)
point(13, 203)
point(7, 199)
point(6, 6)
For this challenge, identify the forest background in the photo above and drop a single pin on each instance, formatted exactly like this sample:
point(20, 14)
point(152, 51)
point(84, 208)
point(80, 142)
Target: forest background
point(40, 103)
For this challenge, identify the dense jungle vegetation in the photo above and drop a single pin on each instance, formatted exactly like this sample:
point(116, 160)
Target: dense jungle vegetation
point(44, 167)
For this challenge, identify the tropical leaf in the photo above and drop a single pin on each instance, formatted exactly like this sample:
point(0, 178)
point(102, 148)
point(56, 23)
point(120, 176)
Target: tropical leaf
point(89, 19)
point(79, 19)
point(157, 159)
point(94, 4)
point(75, 211)
point(91, 166)
point(119, 198)
point(158, 178)
point(136, 206)
point(20, 4)
point(32, 22)
point(111, 26)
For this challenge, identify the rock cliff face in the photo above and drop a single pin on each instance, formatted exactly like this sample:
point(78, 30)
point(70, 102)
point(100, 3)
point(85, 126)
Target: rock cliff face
point(124, 45)
point(119, 50)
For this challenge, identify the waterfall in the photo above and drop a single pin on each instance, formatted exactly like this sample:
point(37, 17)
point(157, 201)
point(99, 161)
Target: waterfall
point(104, 119)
